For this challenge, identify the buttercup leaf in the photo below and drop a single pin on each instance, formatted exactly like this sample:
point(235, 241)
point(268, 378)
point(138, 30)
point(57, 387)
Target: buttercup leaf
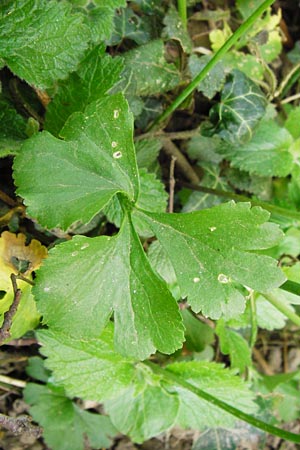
point(218, 244)
point(119, 278)
point(73, 179)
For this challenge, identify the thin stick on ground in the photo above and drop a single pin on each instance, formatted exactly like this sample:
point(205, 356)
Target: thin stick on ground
point(8, 316)
point(182, 163)
point(172, 183)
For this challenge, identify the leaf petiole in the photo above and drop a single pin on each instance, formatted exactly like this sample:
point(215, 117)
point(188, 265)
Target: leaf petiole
point(283, 308)
point(179, 381)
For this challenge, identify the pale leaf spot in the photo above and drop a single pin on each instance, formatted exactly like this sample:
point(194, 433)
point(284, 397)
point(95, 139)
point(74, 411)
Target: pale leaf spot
point(223, 278)
point(117, 155)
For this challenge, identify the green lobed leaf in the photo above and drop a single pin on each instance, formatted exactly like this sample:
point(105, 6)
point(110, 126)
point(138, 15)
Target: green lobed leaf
point(41, 41)
point(86, 366)
point(234, 345)
point(152, 197)
point(212, 252)
point(268, 153)
point(96, 74)
point(242, 106)
point(86, 369)
point(162, 265)
point(292, 122)
point(147, 151)
point(217, 381)
point(198, 334)
point(211, 179)
point(104, 275)
point(269, 317)
point(99, 17)
point(70, 180)
point(26, 318)
point(150, 409)
point(12, 128)
point(64, 424)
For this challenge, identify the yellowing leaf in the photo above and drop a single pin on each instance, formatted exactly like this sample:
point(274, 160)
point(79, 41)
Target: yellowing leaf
point(16, 256)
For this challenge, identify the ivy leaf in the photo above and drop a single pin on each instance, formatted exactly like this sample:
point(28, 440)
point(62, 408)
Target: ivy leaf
point(70, 180)
point(40, 52)
point(96, 74)
point(129, 25)
point(148, 71)
point(247, 9)
point(218, 244)
point(217, 381)
point(174, 29)
point(266, 154)
point(234, 345)
point(242, 106)
point(215, 79)
point(60, 417)
point(228, 439)
point(119, 278)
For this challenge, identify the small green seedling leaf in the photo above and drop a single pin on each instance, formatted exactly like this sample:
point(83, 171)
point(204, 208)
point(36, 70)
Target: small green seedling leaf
point(65, 425)
point(219, 246)
point(73, 179)
point(36, 50)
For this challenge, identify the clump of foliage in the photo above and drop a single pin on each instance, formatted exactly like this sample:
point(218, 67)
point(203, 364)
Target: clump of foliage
point(132, 298)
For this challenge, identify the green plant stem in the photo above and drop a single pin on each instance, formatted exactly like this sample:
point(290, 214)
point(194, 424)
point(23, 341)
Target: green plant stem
point(179, 381)
point(214, 60)
point(282, 307)
point(182, 12)
point(253, 318)
point(242, 198)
